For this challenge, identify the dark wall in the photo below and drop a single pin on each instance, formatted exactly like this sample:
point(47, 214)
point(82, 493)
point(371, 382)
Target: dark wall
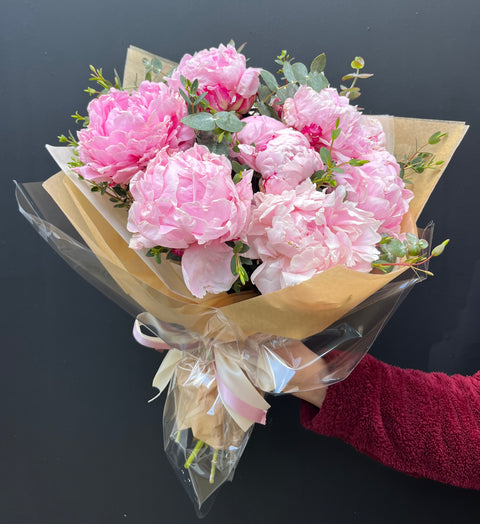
point(79, 443)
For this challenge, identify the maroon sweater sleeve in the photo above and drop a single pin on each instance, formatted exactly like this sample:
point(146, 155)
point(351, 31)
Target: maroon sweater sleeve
point(423, 424)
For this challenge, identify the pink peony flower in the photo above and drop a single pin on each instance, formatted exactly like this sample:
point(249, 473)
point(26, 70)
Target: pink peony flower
point(127, 130)
point(303, 232)
point(223, 74)
point(377, 187)
point(283, 156)
point(254, 137)
point(315, 115)
point(286, 161)
point(186, 201)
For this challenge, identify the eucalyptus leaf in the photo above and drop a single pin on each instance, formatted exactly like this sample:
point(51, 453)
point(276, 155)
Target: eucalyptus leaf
point(157, 64)
point(282, 95)
point(317, 81)
point(269, 80)
point(218, 149)
point(290, 90)
point(318, 64)
point(301, 72)
point(200, 121)
point(228, 121)
point(288, 72)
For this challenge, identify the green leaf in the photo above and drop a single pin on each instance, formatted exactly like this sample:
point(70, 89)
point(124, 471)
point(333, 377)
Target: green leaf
point(324, 155)
point(290, 90)
point(301, 72)
point(156, 64)
point(358, 63)
point(246, 261)
point(218, 149)
point(242, 274)
point(233, 265)
point(282, 95)
point(237, 178)
point(396, 248)
point(238, 247)
point(185, 96)
point(173, 257)
point(436, 137)
point(269, 80)
point(200, 98)
point(336, 133)
point(318, 64)
point(240, 47)
point(317, 81)
point(288, 72)
point(357, 162)
point(200, 121)
point(228, 121)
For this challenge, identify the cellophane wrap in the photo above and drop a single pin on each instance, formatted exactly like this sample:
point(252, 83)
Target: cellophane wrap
point(229, 350)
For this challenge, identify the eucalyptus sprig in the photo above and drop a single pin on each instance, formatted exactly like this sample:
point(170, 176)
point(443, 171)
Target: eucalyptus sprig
point(352, 92)
point(420, 159)
point(213, 128)
point(153, 68)
point(294, 74)
point(409, 251)
point(96, 75)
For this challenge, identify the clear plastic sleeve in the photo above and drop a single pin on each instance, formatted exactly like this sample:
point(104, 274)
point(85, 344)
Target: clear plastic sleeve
point(213, 359)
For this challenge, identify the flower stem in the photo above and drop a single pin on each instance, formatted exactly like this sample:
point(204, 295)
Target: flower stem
point(194, 453)
point(214, 465)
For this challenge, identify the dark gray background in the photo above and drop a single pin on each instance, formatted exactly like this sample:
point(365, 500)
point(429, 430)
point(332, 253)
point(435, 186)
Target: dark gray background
point(79, 443)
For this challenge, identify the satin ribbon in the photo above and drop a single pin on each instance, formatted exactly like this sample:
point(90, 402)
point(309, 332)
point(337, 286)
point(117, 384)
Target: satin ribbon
point(241, 399)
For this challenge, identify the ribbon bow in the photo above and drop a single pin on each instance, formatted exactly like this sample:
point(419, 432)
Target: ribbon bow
point(240, 398)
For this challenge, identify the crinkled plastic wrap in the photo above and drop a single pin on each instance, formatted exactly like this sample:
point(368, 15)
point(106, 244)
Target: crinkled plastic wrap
point(203, 437)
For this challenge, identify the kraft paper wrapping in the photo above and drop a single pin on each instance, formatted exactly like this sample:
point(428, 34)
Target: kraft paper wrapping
point(198, 406)
point(295, 312)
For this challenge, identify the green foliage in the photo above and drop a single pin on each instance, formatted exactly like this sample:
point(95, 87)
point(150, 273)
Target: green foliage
point(294, 75)
point(200, 121)
point(96, 75)
point(352, 92)
point(410, 252)
point(153, 68)
point(237, 262)
point(421, 160)
point(318, 64)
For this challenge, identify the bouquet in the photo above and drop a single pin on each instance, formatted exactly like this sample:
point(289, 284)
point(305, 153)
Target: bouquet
point(253, 223)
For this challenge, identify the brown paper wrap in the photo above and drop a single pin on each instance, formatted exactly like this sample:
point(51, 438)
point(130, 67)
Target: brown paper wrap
point(295, 312)
point(198, 405)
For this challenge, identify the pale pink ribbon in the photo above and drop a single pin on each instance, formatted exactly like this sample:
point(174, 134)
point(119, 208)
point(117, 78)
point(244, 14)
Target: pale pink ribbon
point(231, 380)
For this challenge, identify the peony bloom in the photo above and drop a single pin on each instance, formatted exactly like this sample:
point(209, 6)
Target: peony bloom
point(223, 74)
point(254, 137)
point(126, 131)
point(286, 161)
point(189, 201)
point(303, 232)
point(315, 115)
point(377, 187)
point(283, 156)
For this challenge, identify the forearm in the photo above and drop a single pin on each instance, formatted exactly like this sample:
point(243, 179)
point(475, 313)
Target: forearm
point(424, 424)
